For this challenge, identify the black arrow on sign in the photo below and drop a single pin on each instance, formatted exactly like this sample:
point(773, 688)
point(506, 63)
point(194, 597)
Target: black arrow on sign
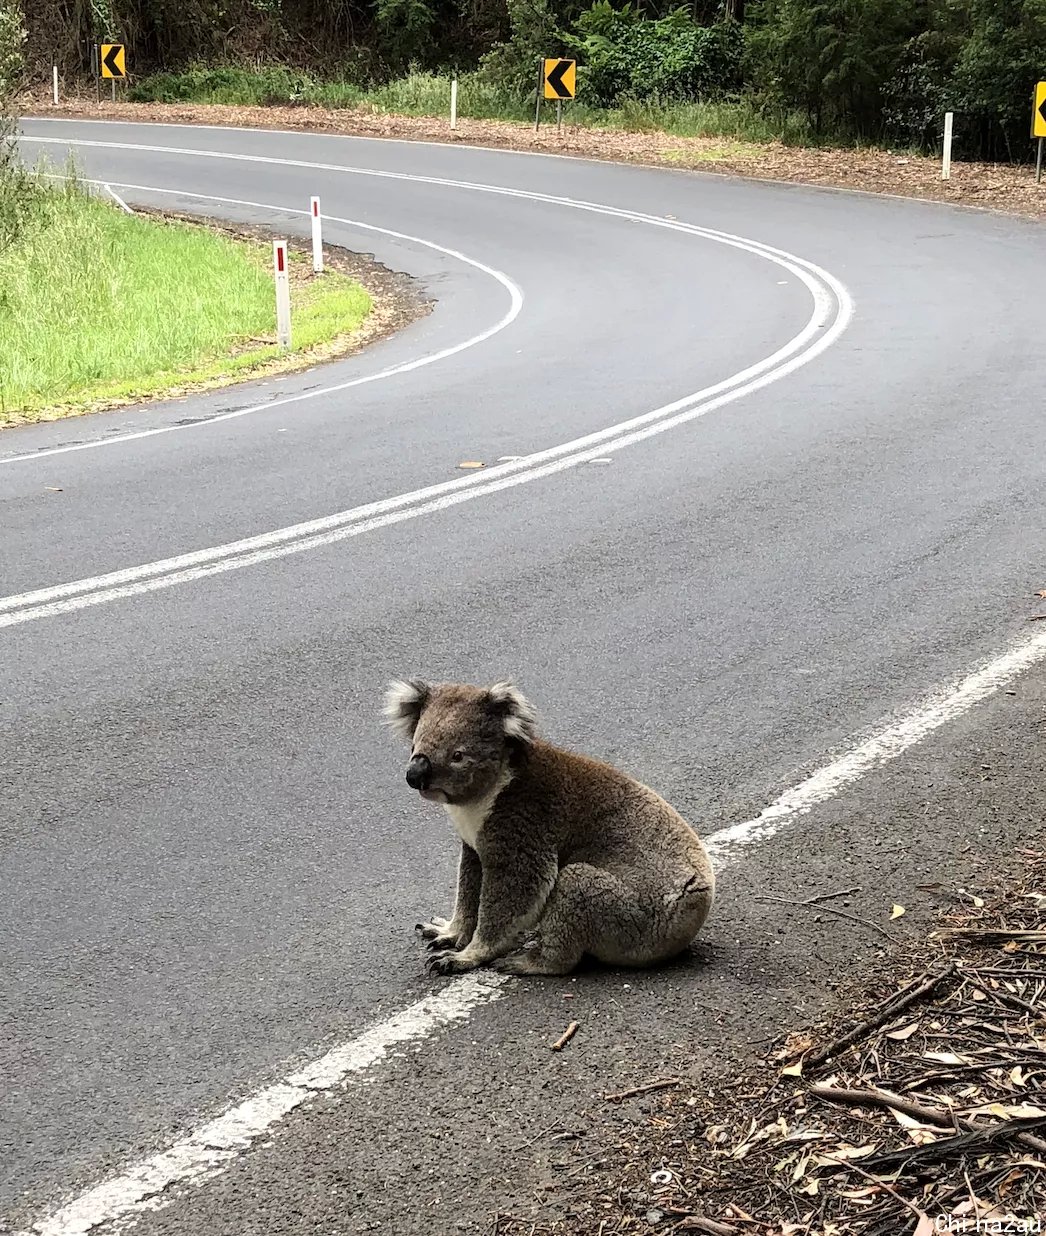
point(555, 79)
point(1042, 114)
point(111, 60)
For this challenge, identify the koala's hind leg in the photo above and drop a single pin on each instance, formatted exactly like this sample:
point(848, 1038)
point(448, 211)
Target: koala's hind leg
point(597, 912)
point(586, 903)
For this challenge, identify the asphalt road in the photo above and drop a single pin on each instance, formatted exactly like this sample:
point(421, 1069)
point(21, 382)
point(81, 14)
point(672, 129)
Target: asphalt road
point(210, 863)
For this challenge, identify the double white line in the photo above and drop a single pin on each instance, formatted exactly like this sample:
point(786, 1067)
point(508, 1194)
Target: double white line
point(831, 312)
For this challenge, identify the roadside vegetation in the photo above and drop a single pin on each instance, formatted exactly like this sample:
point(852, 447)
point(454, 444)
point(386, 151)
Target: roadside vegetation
point(98, 306)
point(803, 71)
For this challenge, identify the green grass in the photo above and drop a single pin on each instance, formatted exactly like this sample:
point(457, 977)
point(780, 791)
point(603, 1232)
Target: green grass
point(98, 305)
point(428, 94)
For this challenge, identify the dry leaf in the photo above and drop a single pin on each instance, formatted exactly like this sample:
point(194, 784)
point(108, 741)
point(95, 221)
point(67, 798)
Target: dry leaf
point(945, 1057)
point(925, 1227)
point(906, 1033)
point(793, 1070)
point(470, 463)
point(897, 911)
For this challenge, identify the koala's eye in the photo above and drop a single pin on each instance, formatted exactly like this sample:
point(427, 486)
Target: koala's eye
point(457, 757)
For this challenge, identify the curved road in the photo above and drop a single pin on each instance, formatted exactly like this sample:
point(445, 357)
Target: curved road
point(781, 461)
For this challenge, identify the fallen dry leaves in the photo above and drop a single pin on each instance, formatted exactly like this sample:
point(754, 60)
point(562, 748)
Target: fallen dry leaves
point(926, 1106)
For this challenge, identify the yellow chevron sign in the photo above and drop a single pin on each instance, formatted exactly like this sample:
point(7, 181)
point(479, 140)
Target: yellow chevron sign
point(114, 60)
point(560, 78)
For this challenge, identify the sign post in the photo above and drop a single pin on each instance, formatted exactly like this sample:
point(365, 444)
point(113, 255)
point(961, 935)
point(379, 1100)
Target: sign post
point(114, 63)
point(283, 293)
point(1038, 125)
point(557, 79)
point(317, 235)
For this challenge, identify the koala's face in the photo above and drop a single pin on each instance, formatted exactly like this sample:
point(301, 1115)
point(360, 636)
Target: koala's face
point(462, 738)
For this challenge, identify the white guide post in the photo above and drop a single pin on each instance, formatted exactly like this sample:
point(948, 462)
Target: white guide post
point(283, 293)
point(317, 235)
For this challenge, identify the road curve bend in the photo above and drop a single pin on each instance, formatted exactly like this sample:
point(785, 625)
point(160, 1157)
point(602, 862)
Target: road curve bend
point(761, 475)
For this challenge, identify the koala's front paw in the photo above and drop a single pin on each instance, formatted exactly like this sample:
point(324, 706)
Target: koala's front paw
point(453, 941)
point(450, 962)
point(430, 931)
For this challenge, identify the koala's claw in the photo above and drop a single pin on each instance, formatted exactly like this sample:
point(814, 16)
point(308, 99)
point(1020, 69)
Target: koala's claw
point(440, 943)
point(429, 931)
point(447, 962)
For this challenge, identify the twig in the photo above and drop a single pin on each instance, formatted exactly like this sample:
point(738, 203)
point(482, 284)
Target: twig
point(942, 1117)
point(1005, 997)
point(882, 1185)
point(814, 905)
point(948, 1146)
point(883, 1098)
point(918, 987)
point(565, 1037)
point(661, 1084)
point(698, 1223)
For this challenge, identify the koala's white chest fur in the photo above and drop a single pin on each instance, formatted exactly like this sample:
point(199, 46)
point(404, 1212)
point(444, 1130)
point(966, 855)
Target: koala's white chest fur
point(468, 818)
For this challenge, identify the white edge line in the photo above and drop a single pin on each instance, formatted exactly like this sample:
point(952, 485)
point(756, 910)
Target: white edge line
point(817, 335)
point(597, 160)
point(115, 196)
point(516, 301)
point(445, 182)
point(198, 564)
point(215, 1145)
point(885, 745)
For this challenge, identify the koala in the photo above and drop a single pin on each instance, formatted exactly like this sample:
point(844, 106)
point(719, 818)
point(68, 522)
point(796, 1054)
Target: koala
point(553, 844)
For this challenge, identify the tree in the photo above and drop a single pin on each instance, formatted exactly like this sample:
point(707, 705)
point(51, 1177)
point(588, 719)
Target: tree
point(12, 37)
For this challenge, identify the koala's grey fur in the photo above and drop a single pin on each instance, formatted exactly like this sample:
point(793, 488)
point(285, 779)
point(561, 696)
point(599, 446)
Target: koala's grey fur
point(594, 861)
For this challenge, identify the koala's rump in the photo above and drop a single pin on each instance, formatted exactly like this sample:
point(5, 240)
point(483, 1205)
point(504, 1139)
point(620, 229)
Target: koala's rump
point(616, 823)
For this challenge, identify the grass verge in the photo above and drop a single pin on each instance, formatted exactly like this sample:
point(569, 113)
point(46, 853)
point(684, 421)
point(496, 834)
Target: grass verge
point(428, 94)
point(99, 307)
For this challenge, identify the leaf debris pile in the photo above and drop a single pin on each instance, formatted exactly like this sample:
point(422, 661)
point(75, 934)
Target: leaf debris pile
point(929, 1108)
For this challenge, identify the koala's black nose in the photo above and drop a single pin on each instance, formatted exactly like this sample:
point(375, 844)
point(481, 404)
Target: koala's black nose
point(419, 772)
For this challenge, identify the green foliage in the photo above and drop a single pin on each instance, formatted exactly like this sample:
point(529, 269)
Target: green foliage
point(533, 33)
point(12, 36)
point(881, 70)
point(227, 84)
point(670, 58)
point(15, 190)
point(999, 63)
point(832, 58)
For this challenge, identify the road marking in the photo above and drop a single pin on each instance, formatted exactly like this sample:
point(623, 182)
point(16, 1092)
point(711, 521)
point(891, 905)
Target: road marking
point(831, 314)
point(214, 1146)
point(513, 311)
point(217, 1144)
point(116, 198)
point(946, 704)
point(719, 237)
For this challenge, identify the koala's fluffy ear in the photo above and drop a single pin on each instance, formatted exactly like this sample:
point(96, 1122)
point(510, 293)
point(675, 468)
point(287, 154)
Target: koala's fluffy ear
point(516, 711)
point(404, 704)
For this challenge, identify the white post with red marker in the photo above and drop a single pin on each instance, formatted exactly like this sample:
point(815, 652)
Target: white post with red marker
point(317, 235)
point(283, 293)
